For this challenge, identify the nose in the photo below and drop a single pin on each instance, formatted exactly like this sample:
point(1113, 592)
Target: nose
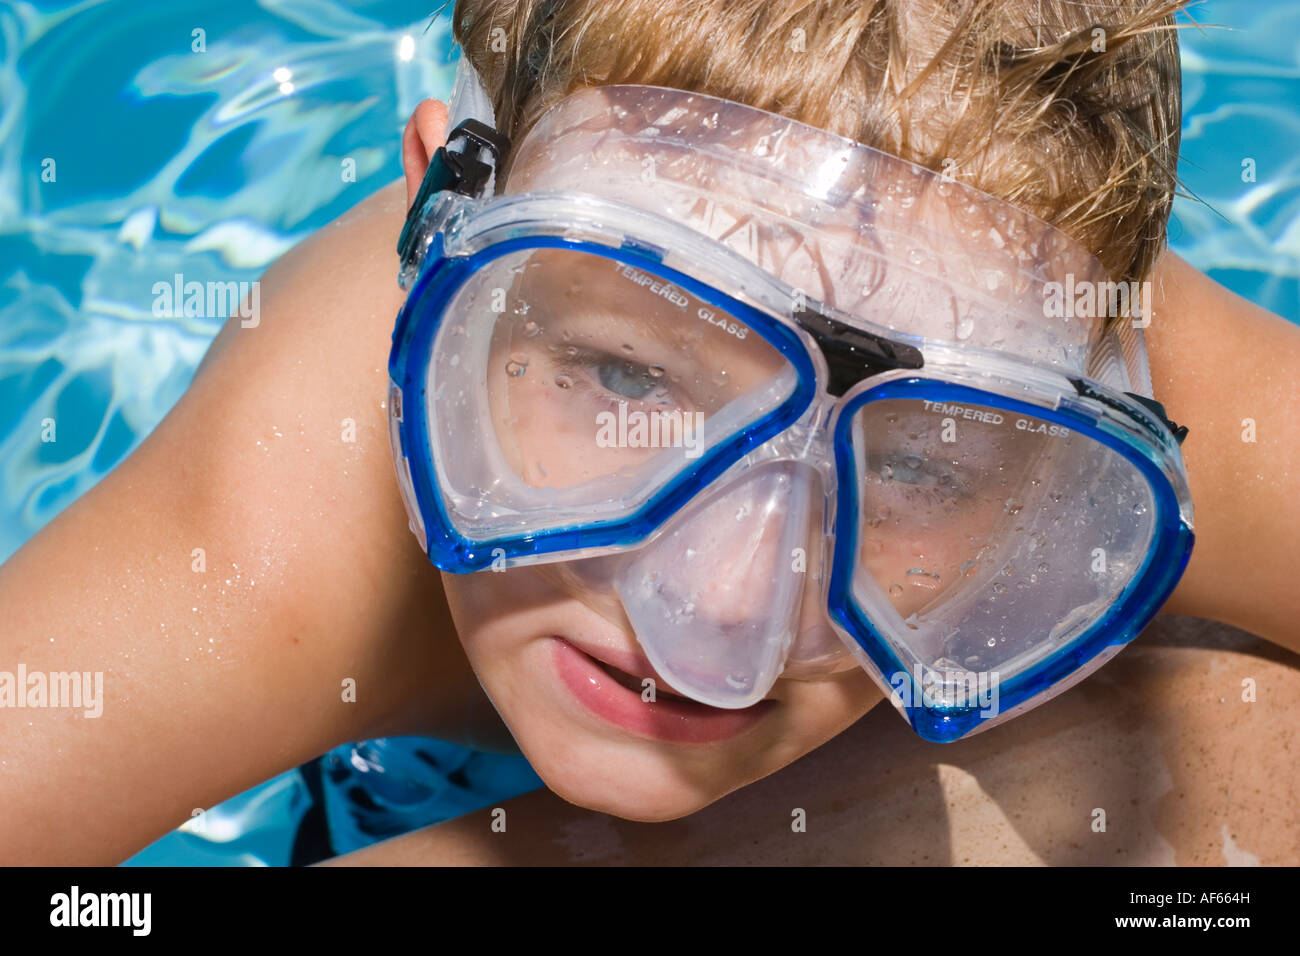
point(730, 588)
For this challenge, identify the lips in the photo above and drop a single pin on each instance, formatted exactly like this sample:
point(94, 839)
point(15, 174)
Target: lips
point(607, 684)
point(624, 679)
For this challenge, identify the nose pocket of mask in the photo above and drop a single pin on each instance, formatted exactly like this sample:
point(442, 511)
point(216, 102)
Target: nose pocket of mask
point(715, 599)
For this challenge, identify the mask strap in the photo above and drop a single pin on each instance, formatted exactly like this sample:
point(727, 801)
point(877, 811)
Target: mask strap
point(469, 98)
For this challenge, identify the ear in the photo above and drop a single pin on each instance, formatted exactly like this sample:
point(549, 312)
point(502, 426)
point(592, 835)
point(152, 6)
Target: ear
point(426, 130)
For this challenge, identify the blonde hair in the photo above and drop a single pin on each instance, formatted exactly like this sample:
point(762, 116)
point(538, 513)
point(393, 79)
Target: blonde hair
point(1070, 109)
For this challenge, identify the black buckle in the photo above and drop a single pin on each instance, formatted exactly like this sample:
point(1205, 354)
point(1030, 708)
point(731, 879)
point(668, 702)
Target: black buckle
point(852, 354)
point(461, 172)
point(1150, 404)
point(1179, 431)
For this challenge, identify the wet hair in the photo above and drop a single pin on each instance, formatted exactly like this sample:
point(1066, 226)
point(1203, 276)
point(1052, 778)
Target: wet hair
point(1070, 109)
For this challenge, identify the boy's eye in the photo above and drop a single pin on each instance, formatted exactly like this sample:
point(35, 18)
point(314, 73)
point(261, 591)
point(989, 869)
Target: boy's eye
point(921, 473)
point(630, 380)
point(911, 470)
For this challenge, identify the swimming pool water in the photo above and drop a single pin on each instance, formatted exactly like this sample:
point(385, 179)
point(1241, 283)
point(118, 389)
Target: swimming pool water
point(212, 164)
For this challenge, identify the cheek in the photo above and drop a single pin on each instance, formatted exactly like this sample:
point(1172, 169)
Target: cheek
point(482, 605)
point(546, 433)
point(816, 711)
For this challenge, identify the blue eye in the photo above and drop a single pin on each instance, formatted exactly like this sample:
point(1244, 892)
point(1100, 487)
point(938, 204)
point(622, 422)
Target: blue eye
point(628, 380)
point(920, 473)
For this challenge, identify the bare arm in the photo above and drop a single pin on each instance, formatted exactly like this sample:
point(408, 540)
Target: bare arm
point(216, 680)
point(1219, 363)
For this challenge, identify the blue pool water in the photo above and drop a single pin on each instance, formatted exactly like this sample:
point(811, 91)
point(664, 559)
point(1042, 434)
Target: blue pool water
point(212, 165)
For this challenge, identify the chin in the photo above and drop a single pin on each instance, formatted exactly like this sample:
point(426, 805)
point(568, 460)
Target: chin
point(646, 788)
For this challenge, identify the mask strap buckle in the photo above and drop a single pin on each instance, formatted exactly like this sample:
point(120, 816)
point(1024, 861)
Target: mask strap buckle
point(467, 166)
point(1179, 432)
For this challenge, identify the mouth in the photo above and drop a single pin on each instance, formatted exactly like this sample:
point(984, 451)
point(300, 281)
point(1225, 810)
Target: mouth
point(617, 696)
point(637, 684)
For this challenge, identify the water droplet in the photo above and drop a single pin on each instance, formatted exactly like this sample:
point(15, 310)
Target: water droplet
point(628, 348)
point(563, 381)
point(895, 590)
point(656, 371)
point(886, 472)
point(999, 588)
point(738, 681)
point(1012, 507)
point(1139, 509)
point(532, 329)
point(515, 368)
point(1043, 568)
point(992, 642)
point(965, 328)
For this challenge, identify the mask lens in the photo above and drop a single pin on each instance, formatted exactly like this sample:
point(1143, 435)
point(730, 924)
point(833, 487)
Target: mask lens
point(568, 386)
point(988, 539)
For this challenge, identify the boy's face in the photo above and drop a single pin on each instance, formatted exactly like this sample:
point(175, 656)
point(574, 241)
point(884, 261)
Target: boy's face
point(552, 644)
